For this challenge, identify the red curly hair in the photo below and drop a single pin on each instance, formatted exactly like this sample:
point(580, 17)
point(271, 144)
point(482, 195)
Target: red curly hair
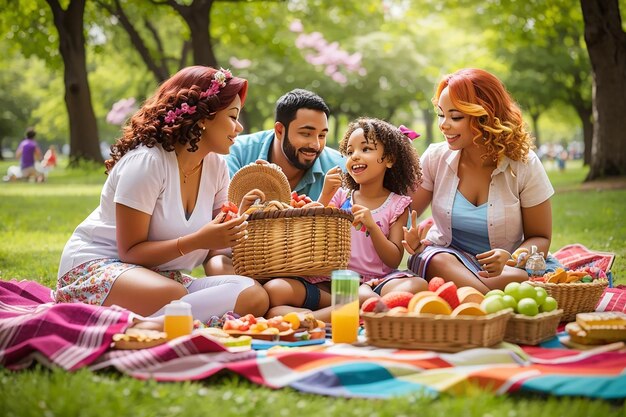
point(148, 126)
point(496, 118)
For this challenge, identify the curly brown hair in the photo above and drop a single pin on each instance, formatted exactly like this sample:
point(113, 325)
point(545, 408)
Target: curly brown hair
point(406, 173)
point(496, 119)
point(148, 126)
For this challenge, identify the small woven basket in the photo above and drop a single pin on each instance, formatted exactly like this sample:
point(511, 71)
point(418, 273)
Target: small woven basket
point(291, 242)
point(574, 298)
point(435, 331)
point(528, 330)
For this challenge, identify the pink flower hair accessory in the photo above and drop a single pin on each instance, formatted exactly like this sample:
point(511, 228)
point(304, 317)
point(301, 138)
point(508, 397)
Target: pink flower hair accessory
point(217, 83)
point(411, 134)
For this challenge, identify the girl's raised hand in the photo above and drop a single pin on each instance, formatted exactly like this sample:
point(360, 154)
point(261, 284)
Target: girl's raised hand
point(332, 182)
point(493, 262)
point(415, 237)
point(250, 198)
point(411, 241)
point(217, 235)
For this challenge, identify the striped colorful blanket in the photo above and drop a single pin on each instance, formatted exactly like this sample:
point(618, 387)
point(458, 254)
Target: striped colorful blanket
point(32, 328)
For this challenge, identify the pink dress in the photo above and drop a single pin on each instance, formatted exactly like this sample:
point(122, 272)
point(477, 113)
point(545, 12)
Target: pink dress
point(363, 257)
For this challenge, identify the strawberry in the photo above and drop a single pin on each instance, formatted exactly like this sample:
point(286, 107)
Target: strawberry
point(448, 292)
point(397, 299)
point(435, 283)
point(230, 209)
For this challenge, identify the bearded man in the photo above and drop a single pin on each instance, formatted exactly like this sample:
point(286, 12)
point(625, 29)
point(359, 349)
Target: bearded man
point(297, 144)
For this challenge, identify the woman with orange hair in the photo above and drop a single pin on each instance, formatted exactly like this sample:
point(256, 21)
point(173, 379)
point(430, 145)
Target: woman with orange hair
point(159, 214)
point(489, 191)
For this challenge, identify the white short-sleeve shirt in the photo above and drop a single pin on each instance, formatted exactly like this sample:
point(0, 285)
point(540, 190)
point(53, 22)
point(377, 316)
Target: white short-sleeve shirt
point(147, 179)
point(514, 184)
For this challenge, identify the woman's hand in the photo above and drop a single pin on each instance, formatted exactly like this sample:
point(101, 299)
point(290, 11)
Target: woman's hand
point(216, 235)
point(493, 262)
point(250, 198)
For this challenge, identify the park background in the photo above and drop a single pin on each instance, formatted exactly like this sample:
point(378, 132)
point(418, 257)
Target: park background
point(76, 69)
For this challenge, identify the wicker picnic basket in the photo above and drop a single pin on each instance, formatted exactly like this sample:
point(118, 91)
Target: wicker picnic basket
point(574, 298)
point(533, 330)
point(291, 242)
point(435, 331)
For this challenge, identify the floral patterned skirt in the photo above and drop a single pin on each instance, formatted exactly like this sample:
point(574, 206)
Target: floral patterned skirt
point(92, 281)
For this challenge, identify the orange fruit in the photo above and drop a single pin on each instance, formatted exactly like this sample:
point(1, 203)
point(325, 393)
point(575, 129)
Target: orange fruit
point(397, 310)
point(417, 297)
point(469, 295)
point(468, 309)
point(432, 304)
point(293, 319)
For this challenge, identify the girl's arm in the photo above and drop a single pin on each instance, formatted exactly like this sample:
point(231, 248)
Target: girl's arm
point(388, 249)
point(134, 247)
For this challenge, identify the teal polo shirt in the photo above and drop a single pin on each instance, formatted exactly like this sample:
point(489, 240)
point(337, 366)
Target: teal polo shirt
point(249, 148)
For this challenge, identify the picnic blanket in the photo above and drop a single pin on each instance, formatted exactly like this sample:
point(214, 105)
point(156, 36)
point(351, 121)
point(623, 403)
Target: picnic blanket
point(577, 256)
point(71, 336)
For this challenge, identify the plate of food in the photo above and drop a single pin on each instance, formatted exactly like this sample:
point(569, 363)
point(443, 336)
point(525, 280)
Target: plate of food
point(288, 328)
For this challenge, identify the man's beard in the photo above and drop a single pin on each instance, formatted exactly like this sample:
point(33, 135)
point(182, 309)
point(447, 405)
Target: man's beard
point(292, 153)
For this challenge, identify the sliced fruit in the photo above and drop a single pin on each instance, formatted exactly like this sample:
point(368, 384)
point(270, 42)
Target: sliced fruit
point(468, 309)
point(369, 304)
point(572, 278)
point(417, 297)
point(469, 295)
point(397, 310)
point(432, 304)
point(397, 299)
point(448, 292)
point(293, 319)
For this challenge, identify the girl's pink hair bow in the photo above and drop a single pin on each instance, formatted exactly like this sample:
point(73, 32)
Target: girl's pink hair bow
point(411, 134)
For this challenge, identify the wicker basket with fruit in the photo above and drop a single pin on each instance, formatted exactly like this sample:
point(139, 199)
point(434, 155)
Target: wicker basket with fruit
point(287, 235)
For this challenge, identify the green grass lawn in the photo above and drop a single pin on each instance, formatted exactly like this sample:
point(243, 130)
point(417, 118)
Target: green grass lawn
point(37, 219)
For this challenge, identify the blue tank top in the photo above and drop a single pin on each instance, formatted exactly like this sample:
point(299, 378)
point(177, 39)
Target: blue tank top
point(469, 225)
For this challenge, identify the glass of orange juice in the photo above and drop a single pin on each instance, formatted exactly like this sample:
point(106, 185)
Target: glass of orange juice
point(345, 306)
point(178, 319)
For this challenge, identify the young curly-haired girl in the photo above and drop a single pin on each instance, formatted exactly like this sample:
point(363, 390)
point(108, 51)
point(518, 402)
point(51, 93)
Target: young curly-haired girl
point(382, 168)
point(489, 191)
point(159, 212)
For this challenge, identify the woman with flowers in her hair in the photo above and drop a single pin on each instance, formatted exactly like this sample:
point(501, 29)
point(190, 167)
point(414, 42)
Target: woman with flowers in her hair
point(159, 214)
point(382, 168)
point(489, 192)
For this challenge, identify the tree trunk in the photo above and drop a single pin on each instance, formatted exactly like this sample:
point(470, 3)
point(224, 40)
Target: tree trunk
point(585, 114)
point(534, 117)
point(84, 143)
point(158, 69)
point(429, 120)
point(606, 43)
point(198, 17)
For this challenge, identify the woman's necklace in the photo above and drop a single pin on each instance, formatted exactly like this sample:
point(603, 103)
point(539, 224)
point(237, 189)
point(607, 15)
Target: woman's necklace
point(187, 174)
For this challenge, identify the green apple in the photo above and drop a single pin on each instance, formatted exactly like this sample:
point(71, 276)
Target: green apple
point(549, 304)
point(494, 292)
point(510, 302)
point(526, 291)
point(541, 295)
point(493, 303)
point(512, 289)
point(528, 307)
